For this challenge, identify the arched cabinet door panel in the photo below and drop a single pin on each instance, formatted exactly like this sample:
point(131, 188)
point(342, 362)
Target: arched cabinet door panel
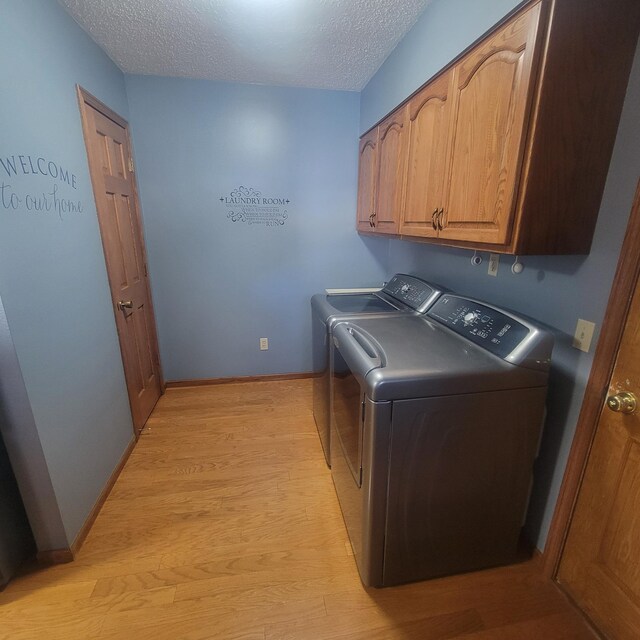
point(429, 115)
point(367, 177)
point(392, 137)
point(492, 96)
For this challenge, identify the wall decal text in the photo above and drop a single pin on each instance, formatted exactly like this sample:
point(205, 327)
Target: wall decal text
point(250, 206)
point(51, 199)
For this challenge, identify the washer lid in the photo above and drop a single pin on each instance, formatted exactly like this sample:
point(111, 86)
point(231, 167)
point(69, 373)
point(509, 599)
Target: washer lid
point(416, 358)
point(359, 303)
point(402, 293)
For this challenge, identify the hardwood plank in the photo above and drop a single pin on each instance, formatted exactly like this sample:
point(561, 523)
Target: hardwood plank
point(560, 626)
point(193, 618)
point(246, 569)
point(21, 598)
point(42, 615)
point(37, 579)
point(250, 557)
point(439, 627)
point(87, 627)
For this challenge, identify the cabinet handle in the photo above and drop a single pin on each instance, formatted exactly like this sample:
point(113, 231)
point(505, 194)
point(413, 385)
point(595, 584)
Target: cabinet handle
point(433, 219)
point(440, 214)
point(373, 219)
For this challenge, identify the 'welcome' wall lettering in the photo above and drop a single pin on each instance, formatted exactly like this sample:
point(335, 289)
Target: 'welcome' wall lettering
point(45, 201)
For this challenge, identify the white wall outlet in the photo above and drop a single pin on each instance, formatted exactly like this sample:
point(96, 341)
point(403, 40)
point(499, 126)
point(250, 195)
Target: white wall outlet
point(583, 335)
point(494, 261)
point(264, 344)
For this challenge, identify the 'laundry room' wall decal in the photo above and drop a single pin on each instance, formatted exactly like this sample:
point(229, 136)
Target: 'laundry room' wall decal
point(245, 204)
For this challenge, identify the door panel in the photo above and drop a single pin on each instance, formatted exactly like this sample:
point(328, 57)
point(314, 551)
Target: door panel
point(460, 471)
point(492, 95)
point(109, 153)
point(623, 527)
point(600, 566)
point(429, 122)
point(391, 171)
point(367, 171)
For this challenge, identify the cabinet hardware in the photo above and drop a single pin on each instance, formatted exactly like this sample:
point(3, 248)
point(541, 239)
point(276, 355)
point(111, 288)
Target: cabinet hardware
point(439, 218)
point(433, 219)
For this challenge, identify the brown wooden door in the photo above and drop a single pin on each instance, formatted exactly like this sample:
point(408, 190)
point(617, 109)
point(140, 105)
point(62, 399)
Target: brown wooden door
point(392, 152)
point(110, 162)
point(600, 566)
point(367, 176)
point(491, 98)
point(429, 133)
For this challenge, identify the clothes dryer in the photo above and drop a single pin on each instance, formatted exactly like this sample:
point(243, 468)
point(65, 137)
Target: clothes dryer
point(435, 426)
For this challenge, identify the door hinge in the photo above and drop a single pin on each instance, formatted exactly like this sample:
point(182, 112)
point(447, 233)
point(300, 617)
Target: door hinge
point(131, 165)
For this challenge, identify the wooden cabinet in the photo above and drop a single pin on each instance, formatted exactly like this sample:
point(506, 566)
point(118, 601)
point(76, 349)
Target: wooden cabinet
point(381, 175)
point(492, 87)
point(508, 148)
point(466, 134)
point(428, 122)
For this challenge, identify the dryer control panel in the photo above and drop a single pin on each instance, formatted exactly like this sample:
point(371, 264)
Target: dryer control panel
point(413, 292)
point(496, 331)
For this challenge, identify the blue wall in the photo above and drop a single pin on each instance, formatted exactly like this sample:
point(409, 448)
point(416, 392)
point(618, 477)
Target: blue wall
point(554, 290)
point(20, 434)
point(53, 281)
point(220, 285)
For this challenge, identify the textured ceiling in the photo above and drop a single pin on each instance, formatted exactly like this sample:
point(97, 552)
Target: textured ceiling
point(329, 44)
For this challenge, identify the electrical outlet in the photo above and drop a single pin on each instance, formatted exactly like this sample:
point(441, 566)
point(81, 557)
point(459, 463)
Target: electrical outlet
point(264, 344)
point(583, 335)
point(494, 260)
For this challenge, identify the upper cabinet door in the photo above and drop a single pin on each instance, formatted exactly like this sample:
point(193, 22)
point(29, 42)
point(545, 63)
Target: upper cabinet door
point(429, 115)
point(491, 102)
point(367, 177)
point(392, 137)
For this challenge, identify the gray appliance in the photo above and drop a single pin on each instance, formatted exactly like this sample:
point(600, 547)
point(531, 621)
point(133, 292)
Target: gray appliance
point(402, 294)
point(436, 423)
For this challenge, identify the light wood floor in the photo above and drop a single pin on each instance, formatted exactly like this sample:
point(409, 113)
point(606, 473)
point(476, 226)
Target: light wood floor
point(224, 524)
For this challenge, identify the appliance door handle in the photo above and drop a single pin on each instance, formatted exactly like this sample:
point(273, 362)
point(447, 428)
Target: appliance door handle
point(359, 350)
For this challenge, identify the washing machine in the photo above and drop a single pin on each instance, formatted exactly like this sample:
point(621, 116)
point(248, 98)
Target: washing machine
point(403, 294)
point(435, 424)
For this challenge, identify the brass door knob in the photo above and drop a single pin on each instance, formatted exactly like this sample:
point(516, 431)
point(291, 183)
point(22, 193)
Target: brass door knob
point(125, 304)
point(622, 402)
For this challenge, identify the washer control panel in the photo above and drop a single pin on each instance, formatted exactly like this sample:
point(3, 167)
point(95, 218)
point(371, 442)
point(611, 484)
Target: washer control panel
point(485, 326)
point(413, 292)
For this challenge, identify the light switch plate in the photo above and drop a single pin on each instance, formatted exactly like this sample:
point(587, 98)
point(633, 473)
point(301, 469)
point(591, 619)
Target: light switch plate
point(584, 335)
point(264, 344)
